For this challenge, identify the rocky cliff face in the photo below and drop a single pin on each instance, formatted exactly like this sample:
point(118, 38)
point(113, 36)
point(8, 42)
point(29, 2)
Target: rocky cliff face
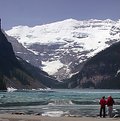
point(23, 52)
point(7, 56)
point(16, 73)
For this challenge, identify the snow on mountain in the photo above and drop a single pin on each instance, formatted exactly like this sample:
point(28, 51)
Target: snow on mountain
point(65, 44)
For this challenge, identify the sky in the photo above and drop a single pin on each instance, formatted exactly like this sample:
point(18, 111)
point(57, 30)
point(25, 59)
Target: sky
point(39, 12)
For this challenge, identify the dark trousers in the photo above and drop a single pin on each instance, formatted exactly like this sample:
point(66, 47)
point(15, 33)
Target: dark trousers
point(102, 111)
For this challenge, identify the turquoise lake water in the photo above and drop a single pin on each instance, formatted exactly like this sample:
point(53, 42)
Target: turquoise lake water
point(57, 102)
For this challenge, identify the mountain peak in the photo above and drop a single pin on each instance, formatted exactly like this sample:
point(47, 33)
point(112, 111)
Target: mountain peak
point(64, 44)
point(71, 20)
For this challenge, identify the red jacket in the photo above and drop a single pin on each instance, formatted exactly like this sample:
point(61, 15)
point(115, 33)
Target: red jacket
point(110, 101)
point(102, 102)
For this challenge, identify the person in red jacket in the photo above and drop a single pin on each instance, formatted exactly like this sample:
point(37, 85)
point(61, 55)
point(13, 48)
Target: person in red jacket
point(102, 106)
point(110, 103)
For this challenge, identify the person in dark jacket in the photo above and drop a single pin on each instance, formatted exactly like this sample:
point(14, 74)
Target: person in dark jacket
point(102, 106)
point(110, 103)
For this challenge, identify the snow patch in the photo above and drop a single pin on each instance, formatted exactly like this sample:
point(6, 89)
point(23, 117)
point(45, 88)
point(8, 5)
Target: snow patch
point(11, 89)
point(35, 52)
point(51, 67)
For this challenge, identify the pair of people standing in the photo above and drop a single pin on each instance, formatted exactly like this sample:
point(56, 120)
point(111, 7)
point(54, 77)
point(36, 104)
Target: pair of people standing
point(109, 102)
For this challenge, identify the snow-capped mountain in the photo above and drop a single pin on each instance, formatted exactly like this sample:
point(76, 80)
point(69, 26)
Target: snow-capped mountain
point(61, 46)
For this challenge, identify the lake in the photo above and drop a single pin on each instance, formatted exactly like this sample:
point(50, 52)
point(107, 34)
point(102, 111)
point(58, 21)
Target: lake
point(56, 102)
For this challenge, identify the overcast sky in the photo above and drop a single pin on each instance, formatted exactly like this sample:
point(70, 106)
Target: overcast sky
point(37, 12)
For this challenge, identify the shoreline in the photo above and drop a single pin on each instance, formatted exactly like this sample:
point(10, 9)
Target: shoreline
point(18, 117)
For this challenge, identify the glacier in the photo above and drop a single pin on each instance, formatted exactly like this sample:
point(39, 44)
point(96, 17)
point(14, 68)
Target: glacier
point(61, 46)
